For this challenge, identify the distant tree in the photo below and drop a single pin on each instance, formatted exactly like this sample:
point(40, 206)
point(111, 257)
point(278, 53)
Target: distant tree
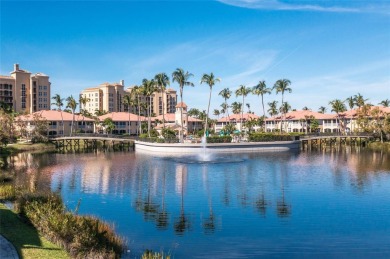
point(210, 80)
point(181, 78)
point(242, 91)
point(216, 113)
point(351, 102)
point(281, 86)
point(306, 108)
point(108, 125)
point(359, 100)
point(338, 107)
point(39, 131)
point(261, 89)
point(236, 107)
point(226, 94)
point(162, 81)
point(59, 102)
point(322, 109)
point(273, 110)
point(72, 105)
point(385, 103)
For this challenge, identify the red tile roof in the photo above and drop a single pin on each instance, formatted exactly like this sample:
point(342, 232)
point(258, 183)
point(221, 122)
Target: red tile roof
point(121, 116)
point(181, 105)
point(53, 115)
point(237, 117)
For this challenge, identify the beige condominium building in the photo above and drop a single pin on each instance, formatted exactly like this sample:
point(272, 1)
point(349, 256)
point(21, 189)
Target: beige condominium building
point(25, 92)
point(109, 97)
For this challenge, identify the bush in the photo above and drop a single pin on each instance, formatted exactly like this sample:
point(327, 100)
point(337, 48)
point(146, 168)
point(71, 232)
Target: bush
point(168, 133)
point(268, 137)
point(219, 139)
point(80, 236)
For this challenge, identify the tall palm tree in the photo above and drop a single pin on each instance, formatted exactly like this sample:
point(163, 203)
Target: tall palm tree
point(242, 91)
point(210, 80)
point(149, 87)
point(282, 85)
point(181, 78)
point(59, 102)
point(226, 94)
point(83, 100)
point(284, 109)
point(71, 104)
point(162, 81)
point(385, 103)
point(273, 110)
point(338, 107)
point(322, 109)
point(128, 102)
point(261, 89)
point(137, 91)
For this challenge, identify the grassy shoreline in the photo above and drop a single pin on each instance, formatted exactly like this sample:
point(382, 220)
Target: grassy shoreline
point(27, 147)
point(25, 238)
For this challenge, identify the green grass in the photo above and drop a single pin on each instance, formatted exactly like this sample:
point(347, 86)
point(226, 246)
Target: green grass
point(25, 238)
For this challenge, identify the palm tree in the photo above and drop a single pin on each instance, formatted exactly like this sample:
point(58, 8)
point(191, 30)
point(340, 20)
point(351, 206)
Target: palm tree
point(162, 81)
point(210, 80)
point(236, 107)
point(351, 102)
point(128, 101)
point(242, 91)
point(58, 101)
point(338, 107)
point(149, 87)
point(273, 110)
point(137, 91)
point(261, 89)
point(322, 109)
point(385, 103)
point(71, 104)
point(282, 85)
point(181, 78)
point(83, 100)
point(217, 113)
point(306, 108)
point(226, 94)
point(359, 100)
point(285, 108)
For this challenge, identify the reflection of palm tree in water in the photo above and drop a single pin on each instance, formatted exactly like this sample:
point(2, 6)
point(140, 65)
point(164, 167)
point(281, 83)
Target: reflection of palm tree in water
point(283, 209)
point(261, 203)
point(209, 222)
point(182, 223)
point(162, 220)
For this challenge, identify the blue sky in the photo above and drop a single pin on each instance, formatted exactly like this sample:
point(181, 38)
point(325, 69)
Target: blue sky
point(328, 49)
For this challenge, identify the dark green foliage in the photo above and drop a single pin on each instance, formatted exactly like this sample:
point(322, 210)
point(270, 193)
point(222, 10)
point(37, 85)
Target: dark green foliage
point(219, 139)
point(81, 236)
point(168, 133)
point(267, 137)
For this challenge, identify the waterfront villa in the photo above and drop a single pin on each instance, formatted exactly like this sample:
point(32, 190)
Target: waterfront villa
point(55, 118)
point(125, 123)
point(235, 119)
point(173, 121)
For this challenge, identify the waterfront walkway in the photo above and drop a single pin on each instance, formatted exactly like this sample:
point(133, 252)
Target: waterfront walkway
point(7, 250)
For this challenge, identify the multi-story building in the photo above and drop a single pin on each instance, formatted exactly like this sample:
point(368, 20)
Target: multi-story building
point(105, 97)
point(109, 97)
point(25, 92)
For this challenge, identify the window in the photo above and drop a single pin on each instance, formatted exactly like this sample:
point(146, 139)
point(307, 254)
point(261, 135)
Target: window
point(96, 94)
point(40, 87)
point(44, 87)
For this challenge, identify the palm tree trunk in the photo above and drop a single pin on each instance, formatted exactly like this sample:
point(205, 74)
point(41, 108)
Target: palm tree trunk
point(150, 114)
point(63, 126)
point(242, 112)
point(281, 125)
point(262, 102)
point(71, 127)
point(208, 109)
point(181, 115)
point(139, 115)
point(163, 109)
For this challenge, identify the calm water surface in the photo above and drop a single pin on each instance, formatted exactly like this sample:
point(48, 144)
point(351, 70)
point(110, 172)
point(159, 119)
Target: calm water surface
point(325, 204)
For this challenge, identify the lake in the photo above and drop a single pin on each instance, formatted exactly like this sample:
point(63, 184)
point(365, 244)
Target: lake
point(322, 203)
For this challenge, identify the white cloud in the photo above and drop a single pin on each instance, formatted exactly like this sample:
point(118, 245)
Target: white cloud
point(319, 6)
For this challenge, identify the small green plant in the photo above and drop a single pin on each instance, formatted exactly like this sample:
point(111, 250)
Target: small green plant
point(149, 254)
point(219, 139)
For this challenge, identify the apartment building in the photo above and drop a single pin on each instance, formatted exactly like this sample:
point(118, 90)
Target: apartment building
point(105, 97)
point(109, 97)
point(25, 92)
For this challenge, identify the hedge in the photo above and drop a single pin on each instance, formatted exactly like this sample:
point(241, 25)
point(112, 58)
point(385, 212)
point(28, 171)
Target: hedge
point(268, 137)
point(219, 139)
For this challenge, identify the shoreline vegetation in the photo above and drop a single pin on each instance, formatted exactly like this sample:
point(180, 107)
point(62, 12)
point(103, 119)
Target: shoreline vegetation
point(40, 226)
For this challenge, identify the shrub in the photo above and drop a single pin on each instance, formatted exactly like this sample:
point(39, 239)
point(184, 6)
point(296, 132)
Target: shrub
point(80, 236)
point(267, 137)
point(219, 139)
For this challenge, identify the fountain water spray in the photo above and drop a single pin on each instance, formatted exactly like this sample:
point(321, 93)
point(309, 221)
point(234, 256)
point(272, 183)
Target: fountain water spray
point(204, 155)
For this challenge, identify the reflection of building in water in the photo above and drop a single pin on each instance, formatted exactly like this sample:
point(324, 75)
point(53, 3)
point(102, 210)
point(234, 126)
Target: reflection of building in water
point(180, 178)
point(95, 176)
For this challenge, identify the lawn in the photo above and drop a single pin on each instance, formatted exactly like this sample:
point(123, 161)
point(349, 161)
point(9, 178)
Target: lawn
point(25, 238)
